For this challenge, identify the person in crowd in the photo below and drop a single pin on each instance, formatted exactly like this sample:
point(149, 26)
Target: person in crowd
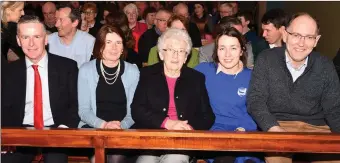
point(131, 12)
point(336, 61)
point(38, 91)
point(76, 5)
point(229, 105)
point(205, 52)
point(120, 20)
point(150, 37)
point(226, 9)
point(49, 12)
point(170, 95)
point(178, 22)
point(70, 42)
point(194, 32)
point(295, 89)
point(105, 77)
point(246, 19)
point(89, 24)
point(235, 7)
point(107, 9)
point(273, 25)
point(10, 14)
point(149, 16)
point(141, 6)
point(203, 21)
point(157, 4)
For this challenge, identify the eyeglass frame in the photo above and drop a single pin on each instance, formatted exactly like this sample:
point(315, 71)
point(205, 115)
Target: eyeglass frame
point(173, 51)
point(299, 36)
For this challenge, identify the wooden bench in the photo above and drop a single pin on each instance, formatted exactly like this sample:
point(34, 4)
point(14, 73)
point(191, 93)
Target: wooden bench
point(171, 140)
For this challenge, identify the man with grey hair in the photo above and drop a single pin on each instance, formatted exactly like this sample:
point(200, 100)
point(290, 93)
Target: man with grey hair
point(49, 13)
point(69, 41)
point(38, 91)
point(295, 89)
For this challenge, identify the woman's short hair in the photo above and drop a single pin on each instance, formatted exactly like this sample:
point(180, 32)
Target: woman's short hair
point(11, 5)
point(232, 32)
point(99, 45)
point(119, 19)
point(91, 6)
point(181, 18)
point(148, 11)
point(174, 34)
point(131, 6)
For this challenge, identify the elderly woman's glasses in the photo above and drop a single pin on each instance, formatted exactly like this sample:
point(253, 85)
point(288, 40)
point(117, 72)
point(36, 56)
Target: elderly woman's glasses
point(180, 52)
point(298, 37)
point(89, 12)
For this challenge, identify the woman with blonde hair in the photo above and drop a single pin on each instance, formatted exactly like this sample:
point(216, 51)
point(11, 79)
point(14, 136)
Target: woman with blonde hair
point(10, 15)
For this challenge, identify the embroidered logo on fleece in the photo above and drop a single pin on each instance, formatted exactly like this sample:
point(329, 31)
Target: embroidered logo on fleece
point(242, 91)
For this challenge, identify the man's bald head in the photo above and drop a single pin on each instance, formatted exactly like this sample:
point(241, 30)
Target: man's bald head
point(49, 12)
point(181, 9)
point(304, 18)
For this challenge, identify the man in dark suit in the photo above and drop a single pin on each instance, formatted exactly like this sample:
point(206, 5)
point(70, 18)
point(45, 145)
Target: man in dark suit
point(39, 90)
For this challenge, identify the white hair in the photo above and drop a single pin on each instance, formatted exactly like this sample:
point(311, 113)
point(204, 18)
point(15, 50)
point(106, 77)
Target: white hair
point(131, 6)
point(177, 35)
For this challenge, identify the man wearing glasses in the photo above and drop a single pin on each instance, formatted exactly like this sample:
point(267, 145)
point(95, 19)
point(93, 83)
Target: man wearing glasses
point(295, 89)
point(49, 12)
point(150, 37)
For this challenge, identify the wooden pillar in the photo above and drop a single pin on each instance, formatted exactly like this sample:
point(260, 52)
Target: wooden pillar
point(98, 143)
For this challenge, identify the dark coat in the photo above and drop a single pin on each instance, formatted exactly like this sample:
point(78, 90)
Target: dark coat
point(62, 83)
point(151, 101)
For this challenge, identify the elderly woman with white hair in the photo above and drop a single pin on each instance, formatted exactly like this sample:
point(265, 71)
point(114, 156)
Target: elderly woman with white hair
point(170, 95)
point(131, 11)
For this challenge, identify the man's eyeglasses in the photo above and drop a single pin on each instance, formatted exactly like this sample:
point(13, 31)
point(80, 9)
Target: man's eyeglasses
point(180, 52)
point(49, 13)
point(298, 37)
point(162, 20)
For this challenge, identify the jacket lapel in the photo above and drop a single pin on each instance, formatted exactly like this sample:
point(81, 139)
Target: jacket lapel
point(53, 80)
point(21, 86)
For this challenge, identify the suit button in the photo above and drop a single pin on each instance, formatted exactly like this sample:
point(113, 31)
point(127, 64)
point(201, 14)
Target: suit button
point(181, 115)
point(176, 97)
point(164, 109)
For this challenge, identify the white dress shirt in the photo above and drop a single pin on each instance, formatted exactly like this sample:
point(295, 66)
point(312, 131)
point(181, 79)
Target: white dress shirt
point(29, 103)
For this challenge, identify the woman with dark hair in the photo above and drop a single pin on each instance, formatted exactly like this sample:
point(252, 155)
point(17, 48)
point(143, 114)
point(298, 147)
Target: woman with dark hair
point(203, 21)
point(229, 73)
point(105, 77)
point(119, 19)
point(10, 15)
point(149, 16)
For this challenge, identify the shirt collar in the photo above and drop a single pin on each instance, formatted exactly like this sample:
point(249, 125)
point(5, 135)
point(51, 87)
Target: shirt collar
point(42, 63)
point(272, 46)
point(288, 61)
point(158, 31)
point(219, 69)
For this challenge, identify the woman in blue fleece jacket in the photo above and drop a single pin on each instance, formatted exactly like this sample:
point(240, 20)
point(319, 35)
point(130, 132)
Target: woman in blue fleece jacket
point(227, 81)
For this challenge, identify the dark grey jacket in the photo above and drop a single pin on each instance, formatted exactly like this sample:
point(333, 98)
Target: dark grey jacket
point(313, 98)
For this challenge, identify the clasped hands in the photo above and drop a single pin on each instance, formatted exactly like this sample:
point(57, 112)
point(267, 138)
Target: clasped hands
point(177, 125)
point(111, 125)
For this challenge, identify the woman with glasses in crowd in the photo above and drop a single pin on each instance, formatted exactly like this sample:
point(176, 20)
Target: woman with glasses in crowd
point(89, 23)
point(170, 95)
point(178, 22)
point(106, 86)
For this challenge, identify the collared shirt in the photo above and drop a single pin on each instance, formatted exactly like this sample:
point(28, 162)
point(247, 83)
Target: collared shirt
point(272, 46)
point(29, 103)
point(158, 31)
point(219, 69)
point(296, 72)
point(80, 49)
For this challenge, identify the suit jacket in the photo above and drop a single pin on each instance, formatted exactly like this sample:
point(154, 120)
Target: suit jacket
point(62, 83)
point(151, 101)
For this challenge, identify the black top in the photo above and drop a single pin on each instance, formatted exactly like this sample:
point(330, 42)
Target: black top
point(94, 30)
point(9, 40)
point(111, 99)
point(195, 35)
point(151, 99)
point(133, 57)
point(51, 29)
point(313, 98)
point(146, 41)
